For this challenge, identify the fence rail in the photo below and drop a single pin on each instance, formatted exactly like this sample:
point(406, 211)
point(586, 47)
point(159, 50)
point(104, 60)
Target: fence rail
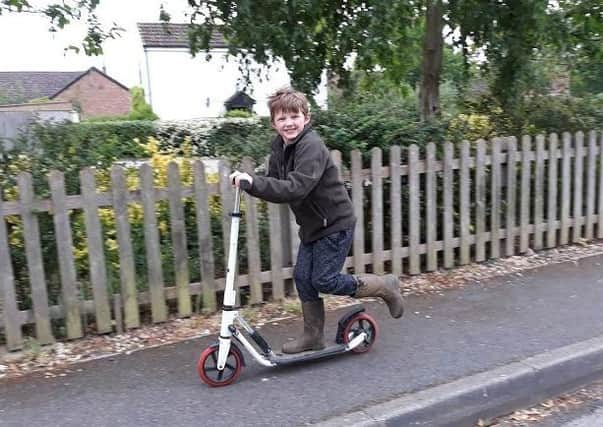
point(445, 206)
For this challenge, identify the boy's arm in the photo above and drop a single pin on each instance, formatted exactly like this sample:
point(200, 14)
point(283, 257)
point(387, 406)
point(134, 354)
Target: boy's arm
point(310, 163)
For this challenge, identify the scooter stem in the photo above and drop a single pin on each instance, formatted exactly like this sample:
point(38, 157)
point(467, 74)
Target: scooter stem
point(230, 295)
point(229, 291)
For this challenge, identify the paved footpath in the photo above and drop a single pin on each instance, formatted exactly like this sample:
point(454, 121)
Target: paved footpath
point(490, 346)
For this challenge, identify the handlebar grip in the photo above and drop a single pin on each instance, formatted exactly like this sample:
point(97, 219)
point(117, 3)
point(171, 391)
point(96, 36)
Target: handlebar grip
point(244, 185)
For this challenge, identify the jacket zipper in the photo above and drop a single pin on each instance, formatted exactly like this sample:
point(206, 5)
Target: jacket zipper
point(320, 215)
point(284, 163)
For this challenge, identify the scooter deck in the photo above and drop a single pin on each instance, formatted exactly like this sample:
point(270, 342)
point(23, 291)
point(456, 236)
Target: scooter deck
point(284, 359)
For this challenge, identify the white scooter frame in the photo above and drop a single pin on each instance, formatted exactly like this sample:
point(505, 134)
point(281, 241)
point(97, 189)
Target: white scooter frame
point(358, 339)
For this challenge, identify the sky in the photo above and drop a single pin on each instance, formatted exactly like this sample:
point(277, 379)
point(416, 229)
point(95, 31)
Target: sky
point(27, 45)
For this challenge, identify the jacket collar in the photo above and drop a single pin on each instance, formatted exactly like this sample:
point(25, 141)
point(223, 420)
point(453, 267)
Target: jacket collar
point(306, 129)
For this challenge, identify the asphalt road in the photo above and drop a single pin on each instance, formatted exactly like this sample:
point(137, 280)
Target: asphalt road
point(593, 419)
point(440, 339)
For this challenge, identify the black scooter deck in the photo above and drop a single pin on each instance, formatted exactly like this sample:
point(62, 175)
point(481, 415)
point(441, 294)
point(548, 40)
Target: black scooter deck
point(283, 359)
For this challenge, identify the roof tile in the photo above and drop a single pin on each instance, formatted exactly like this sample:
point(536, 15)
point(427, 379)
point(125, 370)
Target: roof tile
point(173, 35)
point(21, 86)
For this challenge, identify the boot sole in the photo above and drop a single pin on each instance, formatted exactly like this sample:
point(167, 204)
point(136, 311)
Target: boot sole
point(304, 350)
point(394, 283)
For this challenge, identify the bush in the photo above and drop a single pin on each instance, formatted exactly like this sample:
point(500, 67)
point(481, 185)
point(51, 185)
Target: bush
point(236, 139)
point(470, 127)
point(545, 114)
point(238, 114)
point(370, 122)
point(140, 109)
point(69, 147)
point(171, 134)
point(535, 114)
point(225, 138)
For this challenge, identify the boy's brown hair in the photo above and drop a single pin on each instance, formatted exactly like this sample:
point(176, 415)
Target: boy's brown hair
point(288, 100)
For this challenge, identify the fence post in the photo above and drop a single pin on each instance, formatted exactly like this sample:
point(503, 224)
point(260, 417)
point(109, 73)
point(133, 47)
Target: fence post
point(178, 229)
point(151, 240)
point(566, 188)
point(396, 209)
point(35, 263)
point(465, 190)
point(377, 210)
point(226, 199)
point(578, 179)
point(206, 247)
point(551, 239)
point(539, 192)
point(448, 206)
point(276, 256)
point(8, 295)
point(495, 190)
point(358, 202)
point(254, 263)
point(511, 195)
point(413, 211)
point(524, 240)
point(480, 201)
point(69, 287)
point(127, 270)
point(96, 253)
point(591, 170)
point(336, 157)
point(600, 210)
point(431, 205)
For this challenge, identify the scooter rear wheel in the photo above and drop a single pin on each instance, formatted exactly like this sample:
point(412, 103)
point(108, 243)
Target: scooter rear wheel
point(361, 322)
point(207, 366)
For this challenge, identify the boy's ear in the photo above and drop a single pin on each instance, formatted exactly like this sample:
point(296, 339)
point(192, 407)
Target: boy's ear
point(307, 119)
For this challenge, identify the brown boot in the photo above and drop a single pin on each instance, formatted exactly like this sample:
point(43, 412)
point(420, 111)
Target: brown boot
point(313, 336)
point(386, 287)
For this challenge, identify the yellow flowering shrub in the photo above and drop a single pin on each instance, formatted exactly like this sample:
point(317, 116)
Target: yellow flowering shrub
point(472, 126)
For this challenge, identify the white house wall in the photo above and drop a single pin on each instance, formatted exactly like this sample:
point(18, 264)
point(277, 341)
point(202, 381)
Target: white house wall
point(179, 86)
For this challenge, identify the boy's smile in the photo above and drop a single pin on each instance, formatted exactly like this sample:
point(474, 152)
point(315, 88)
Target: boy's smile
point(290, 124)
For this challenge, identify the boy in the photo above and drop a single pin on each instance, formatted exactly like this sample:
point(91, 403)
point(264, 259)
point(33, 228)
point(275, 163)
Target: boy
point(302, 174)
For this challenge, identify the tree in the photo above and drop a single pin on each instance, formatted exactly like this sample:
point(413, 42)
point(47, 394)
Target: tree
point(581, 43)
point(140, 109)
point(510, 32)
point(309, 35)
point(433, 52)
point(313, 35)
point(316, 35)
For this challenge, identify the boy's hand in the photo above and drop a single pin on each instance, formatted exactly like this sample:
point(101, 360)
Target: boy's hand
point(236, 177)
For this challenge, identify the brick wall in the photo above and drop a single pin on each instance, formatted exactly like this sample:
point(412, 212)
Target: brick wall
point(97, 96)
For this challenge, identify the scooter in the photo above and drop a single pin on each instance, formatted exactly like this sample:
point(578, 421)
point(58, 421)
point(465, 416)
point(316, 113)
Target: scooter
point(220, 364)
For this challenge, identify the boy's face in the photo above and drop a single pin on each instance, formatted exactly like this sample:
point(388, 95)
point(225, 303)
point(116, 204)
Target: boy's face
point(289, 124)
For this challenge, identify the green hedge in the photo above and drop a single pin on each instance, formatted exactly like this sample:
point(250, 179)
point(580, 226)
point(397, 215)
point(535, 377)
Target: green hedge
point(362, 123)
point(69, 147)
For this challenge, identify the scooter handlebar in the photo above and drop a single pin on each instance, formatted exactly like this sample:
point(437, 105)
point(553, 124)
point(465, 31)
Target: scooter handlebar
point(244, 184)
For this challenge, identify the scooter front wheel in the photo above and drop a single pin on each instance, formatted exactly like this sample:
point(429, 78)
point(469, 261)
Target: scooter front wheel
point(361, 322)
point(207, 366)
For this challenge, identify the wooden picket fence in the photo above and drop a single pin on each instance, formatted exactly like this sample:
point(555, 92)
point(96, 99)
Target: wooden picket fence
point(450, 205)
